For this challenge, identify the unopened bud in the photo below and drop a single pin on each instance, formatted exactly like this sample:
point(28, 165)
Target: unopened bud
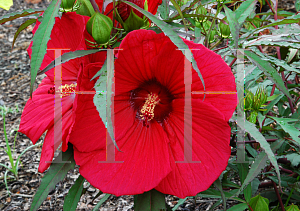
point(67, 4)
point(224, 29)
point(248, 100)
point(100, 26)
point(85, 8)
point(201, 11)
point(260, 98)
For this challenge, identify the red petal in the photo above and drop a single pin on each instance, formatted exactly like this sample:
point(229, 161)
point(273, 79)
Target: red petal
point(211, 137)
point(48, 146)
point(138, 48)
point(153, 5)
point(217, 78)
point(38, 113)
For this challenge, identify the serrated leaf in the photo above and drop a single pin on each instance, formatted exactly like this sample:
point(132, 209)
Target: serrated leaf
point(272, 103)
point(243, 172)
point(96, 208)
point(244, 10)
point(171, 34)
point(253, 131)
point(21, 28)
point(67, 57)
point(283, 40)
point(238, 207)
point(15, 15)
point(259, 163)
point(74, 194)
point(57, 172)
point(259, 203)
point(233, 25)
point(102, 70)
point(289, 128)
point(294, 158)
point(269, 71)
point(6, 4)
point(41, 38)
point(152, 200)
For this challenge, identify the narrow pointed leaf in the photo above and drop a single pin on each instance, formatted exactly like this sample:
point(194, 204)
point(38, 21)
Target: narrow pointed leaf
point(238, 207)
point(67, 57)
point(72, 199)
point(180, 202)
point(96, 208)
point(269, 71)
point(233, 25)
point(102, 70)
point(152, 200)
point(167, 29)
point(258, 165)
point(21, 28)
point(15, 15)
point(56, 173)
point(244, 10)
point(41, 38)
point(253, 131)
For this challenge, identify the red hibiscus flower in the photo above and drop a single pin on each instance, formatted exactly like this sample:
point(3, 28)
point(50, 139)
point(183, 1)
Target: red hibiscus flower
point(149, 121)
point(38, 114)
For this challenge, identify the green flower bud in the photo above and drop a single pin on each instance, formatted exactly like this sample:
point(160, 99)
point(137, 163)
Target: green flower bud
point(260, 98)
point(85, 8)
point(253, 116)
point(224, 29)
point(100, 26)
point(201, 11)
point(248, 100)
point(133, 22)
point(67, 4)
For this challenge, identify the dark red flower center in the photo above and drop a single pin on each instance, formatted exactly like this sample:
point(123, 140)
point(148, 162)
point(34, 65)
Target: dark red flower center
point(151, 101)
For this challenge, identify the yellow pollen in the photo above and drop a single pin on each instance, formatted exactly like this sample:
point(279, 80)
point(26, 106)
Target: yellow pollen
point(147, 111)
point(67, 89)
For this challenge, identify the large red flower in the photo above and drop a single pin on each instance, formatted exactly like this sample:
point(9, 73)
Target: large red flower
point(38, 114)
point(149, 121)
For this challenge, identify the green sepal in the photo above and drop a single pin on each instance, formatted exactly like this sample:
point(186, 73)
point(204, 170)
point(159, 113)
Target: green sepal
point(85, 8)
point(133, 22)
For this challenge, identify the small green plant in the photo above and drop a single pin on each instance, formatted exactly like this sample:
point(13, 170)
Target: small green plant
point(14, 165)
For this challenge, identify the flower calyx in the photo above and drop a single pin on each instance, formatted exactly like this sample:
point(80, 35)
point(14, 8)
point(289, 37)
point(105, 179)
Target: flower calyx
point(129, 18)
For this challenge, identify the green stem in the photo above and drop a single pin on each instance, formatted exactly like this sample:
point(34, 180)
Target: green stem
point(291, 193)
point(211, 26)
point(6, 140)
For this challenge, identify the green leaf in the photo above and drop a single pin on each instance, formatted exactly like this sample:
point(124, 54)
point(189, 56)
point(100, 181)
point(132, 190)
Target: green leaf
point(67, 57)
point(180, 202)
point(277, 62)
point(6, 4)
point(289, 128)
point(170, 33)
point(21, 28)
point(272, 103)
point(164, 9)
point(292, 208)
point(15, 15)
point(244, 10)
point(152, 200)
point(41, 38)
point(259, 163)
point(74, 194)
point(96, 208)
point(102, 70)
point(294, 158)
point(269, 71)
point(57, 172)
point(238, 207)
point(259, 203)
point(243, 172)
point(179, 12)
point(233, 24)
